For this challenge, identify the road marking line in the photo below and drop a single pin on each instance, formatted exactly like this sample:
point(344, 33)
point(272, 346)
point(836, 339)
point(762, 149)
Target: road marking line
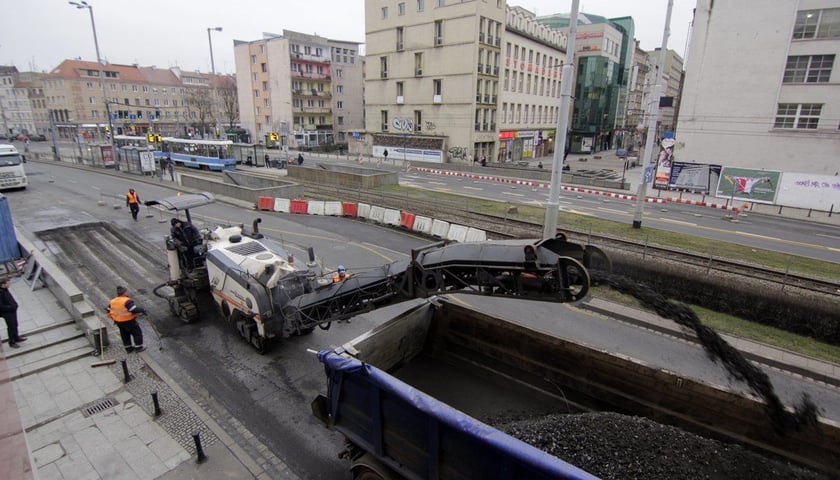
point(513, 194)
point(466, 187)
point(679, 222)
point(612, 210)
point(835, 237)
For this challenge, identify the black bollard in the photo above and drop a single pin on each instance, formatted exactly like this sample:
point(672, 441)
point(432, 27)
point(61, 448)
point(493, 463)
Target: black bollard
point(156, 404)
point(198, 449)
point(126, 377)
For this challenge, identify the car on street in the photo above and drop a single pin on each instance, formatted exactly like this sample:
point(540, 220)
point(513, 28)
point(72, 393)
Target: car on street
point(38, 137)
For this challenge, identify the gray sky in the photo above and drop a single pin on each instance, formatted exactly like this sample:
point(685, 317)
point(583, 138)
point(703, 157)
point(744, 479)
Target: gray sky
point(39, 34)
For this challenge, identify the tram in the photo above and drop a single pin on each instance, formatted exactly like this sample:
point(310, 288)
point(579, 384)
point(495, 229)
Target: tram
point(202, 154)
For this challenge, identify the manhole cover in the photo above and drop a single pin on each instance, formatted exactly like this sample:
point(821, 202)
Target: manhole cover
point(98, 407)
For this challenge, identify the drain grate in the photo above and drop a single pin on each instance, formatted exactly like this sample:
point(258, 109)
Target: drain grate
point(98, 407)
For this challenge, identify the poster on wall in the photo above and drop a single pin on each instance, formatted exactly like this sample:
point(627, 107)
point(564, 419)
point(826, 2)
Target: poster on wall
point(663, 163)
point(802, 190)
point(407, 154)
point(107, 156)
point(748, 184)
point(586, 144)
point(694, 177)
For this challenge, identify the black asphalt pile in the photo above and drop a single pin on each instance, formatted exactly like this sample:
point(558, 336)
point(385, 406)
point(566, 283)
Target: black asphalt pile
point(615, 446)
point(805, 412)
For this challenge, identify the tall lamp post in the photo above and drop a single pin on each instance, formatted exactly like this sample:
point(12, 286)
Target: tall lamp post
point(83, 4)
point(213, 78)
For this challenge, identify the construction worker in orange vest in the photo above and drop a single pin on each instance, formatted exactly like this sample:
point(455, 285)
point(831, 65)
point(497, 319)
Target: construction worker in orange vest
point(123, 311)
point(340, 274)
point(132, 201)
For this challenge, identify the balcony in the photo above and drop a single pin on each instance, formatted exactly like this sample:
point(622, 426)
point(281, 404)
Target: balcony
point(488, 68)
point(486, 98)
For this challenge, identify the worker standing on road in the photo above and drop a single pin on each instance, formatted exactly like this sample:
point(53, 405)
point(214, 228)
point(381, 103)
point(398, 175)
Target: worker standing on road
point(123, 311)
point(132, 201)
point(340, 274)
point(8, 310)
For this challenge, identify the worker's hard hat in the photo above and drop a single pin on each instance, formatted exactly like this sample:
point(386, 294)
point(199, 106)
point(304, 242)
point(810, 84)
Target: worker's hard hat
point(341, 268)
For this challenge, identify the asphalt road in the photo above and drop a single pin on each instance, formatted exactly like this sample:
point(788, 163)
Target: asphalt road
point(270, 394)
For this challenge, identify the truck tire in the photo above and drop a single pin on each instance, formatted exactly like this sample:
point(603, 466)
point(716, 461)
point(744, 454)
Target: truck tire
point(367, 467)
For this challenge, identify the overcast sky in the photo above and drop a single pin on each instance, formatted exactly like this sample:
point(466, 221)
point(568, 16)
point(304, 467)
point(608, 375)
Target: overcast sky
point(38, 34)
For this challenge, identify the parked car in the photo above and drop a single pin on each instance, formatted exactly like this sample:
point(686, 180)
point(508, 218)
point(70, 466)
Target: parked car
point(38, 137)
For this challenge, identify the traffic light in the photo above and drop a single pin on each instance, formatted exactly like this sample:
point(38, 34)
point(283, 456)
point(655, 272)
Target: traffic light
point(158, 139)
point(107, 130)
point(273, 136)
point(150, 137)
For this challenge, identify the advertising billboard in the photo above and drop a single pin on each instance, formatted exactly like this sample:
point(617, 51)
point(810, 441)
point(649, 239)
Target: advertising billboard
point(694, 177)
point(748, 184)
point(802, 190)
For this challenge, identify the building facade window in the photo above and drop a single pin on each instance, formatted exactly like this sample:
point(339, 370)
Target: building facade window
point(383, 67)
point(400, 38)
point(437, 87)
point(798, 115)
point(383, 118)
point(823, 23)
point(384, 12)
point(808, 69)
point(421, 5)
point(401, 8)
point(438, 32)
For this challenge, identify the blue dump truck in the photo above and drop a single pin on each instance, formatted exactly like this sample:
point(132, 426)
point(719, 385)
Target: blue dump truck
point(418, 396)
point(397, 431)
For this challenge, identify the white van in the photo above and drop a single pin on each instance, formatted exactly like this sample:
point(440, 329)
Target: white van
point(12, 174)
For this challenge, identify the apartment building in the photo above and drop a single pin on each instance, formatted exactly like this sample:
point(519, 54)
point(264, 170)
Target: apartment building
point(15, 110)
point(672, 78)
point(636, 107)
point(138, 99)
point(530, 96)
point(763, 93)
point(305, 88)
point(452, 81)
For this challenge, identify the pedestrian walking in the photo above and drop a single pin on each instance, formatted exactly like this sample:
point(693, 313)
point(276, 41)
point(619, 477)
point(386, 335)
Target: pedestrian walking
point(300, 158)
point(123, 311)
point(267, 158)
point(170, 165)
point(8, 309)
point(132, 201)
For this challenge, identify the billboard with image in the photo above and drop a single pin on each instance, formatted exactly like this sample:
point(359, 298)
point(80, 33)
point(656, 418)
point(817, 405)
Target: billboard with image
point(748, 184)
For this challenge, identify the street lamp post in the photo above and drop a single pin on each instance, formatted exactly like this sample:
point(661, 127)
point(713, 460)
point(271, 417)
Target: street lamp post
point(213, 78)
point(83, 4)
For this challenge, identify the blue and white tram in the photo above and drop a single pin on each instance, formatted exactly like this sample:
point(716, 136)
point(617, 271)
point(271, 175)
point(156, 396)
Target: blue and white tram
point(203, 154)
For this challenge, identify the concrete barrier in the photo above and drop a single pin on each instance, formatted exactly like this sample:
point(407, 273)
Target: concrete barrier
point(377, 214)
point(333, 208)
point(440, 228)
point(475, 235)
point(316, 207)
point(422, 225)
point(392, 217)
point(283, 205)
point(457, 233)
point(363, 210)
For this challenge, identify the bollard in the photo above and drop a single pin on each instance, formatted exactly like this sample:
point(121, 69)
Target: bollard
point(198, 449)
point(155, 403)
point(830, 210)
point(126, 377)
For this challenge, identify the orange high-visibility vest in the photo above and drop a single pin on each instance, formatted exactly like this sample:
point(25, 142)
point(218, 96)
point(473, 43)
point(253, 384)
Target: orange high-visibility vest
point(132, 197)
point(118, 312)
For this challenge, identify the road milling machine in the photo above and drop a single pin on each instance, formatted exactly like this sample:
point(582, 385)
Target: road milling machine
point(260, 287)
